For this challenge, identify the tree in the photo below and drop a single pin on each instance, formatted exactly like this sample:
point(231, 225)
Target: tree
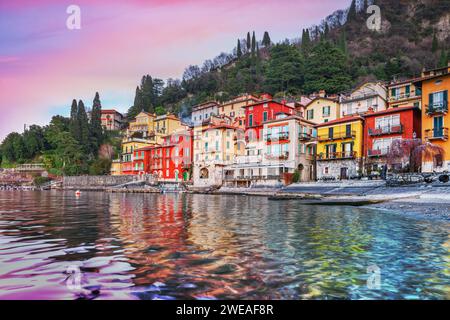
point(159, 110)
point(248, 42)
point(435, 43)
point(326, 69)
point(266, 42)
point(306, 41)
point(74, 124)
point(33, 139)
point(342, 42)
point(239, 50)
point(443, 59)
point(412, 152)
point(352, 11)
point(96, 129)
point(83, 124)
point(285, 69)
point(253, 44)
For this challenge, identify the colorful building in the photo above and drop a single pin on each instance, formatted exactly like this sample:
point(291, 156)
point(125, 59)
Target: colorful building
point(170, 162)
point(214, 148)
point(322, 109)
point(288, 145)
point(202, 112)
point(371, 95)
point(234, 108)
point(340, 148)
point(112, 120)
point(382, 128)
point(403, 94)
point(435, 85)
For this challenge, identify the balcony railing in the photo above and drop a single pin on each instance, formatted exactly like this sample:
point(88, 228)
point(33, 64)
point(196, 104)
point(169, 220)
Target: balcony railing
point(302, 136)
point(437, 134)
point(253, 178)
point(338, 136)
point(283, 156)
point(337, 155)
point(385, 130)
point(277, 137)
point(379, 152)
point(404, 96)
point(437, 107)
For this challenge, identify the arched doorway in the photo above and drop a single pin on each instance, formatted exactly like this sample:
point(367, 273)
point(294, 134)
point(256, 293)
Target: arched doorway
point(204, 173)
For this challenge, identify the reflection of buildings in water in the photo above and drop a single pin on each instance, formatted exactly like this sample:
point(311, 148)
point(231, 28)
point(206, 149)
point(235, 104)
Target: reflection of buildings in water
point(151, 229)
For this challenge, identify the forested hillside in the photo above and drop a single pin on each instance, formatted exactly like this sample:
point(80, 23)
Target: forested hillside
point(335, 55)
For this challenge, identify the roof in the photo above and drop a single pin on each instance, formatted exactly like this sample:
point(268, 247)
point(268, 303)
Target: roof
point(290, 118)
point(241, 98)
point(267, 101)
point(205, 105)
point(321, 98)
point(110, 111)
point(390, 110)
point(341, 120)
point(220, 126)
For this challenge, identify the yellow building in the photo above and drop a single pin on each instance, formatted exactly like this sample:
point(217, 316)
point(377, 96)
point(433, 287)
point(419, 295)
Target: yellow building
point(143, 126)
point(234, 108)
point(339, 148)
point(165, 125)
point(322, 109)
point(404, 94)
point(435, 85)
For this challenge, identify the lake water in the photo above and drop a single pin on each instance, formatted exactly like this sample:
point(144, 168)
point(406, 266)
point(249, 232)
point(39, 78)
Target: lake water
point(54, 245)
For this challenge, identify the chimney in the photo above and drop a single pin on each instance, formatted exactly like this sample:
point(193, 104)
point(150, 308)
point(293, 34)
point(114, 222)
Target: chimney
point(322, 93)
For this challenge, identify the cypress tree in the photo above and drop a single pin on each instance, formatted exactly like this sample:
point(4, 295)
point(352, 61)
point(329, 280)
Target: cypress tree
point(248, 42)
point(74, 127)
point(326, 30)
point(306, 41)
point(342, 42)
point(434, 44)
point(352, 11)
point(253, 43)
point(96, 129)
point(266, 42)
point(239, 50)
point(83, 124)
point(443, 59)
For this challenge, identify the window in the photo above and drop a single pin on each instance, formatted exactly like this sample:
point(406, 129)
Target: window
point(265, 116)
point(217, 145)
point(228, 144)
point(326, 111)
point(407, 90)
point(310, 114)
point(250, 120)
point(348, 130)
point(326, 170)
point(217, 133)
point(438, 99)
point(388, 121)
point(217, 157)
point(438, 126)
point(206, 146)
point(330, 132)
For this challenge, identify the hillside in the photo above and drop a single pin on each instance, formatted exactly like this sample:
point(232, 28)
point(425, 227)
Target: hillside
point(414, 35)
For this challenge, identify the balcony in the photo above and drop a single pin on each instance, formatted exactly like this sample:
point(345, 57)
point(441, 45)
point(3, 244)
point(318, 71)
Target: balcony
point(248, 159)
point(379, 152)
point(404, 96)
point(283, 156)
point(386, 130)
point(437, 134)
point(277, 137)
point(437, 108)
point(338, 136)
point(302, 136)
point(337, 156)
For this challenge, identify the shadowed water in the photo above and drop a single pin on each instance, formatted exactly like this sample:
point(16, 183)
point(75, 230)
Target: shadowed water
point(122, 246)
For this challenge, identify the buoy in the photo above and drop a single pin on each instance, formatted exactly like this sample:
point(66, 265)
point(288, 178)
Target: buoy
point(78, 193)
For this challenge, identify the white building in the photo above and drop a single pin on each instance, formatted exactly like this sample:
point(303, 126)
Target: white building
point(369, 95)
point(203, 112)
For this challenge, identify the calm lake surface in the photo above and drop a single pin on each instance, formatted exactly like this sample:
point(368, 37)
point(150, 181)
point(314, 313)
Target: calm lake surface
point(124, 246)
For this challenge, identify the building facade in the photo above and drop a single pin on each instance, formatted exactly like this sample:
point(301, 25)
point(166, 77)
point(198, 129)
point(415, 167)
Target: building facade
point(203, 112)
point(340, 149)
point(404, 94)
point(371, 95)
point(322, 110)
point(112, 120)
point(435, 85)
point(382, 128)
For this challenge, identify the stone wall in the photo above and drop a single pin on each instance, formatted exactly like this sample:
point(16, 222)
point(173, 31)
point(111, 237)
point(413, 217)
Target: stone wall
point(97, 182)
point(334, 168)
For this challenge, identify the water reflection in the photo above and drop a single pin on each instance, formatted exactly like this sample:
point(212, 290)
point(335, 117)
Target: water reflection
point(213, 247)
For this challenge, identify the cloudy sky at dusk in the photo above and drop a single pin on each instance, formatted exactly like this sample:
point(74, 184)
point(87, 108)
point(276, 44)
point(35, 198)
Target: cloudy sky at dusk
point(43, 65)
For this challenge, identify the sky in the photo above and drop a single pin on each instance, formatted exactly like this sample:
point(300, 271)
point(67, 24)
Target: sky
point(44, 64)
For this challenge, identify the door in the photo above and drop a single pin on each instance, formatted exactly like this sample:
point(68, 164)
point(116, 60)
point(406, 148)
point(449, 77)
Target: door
point(438, 125)
point(344, 173)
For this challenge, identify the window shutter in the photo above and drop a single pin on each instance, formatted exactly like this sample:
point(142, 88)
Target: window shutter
point(445, 96)
point(430, 99)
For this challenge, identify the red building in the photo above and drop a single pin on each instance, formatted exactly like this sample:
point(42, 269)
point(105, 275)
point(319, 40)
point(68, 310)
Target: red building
point(383, 127)
point(267, 109)
point(170, 161)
